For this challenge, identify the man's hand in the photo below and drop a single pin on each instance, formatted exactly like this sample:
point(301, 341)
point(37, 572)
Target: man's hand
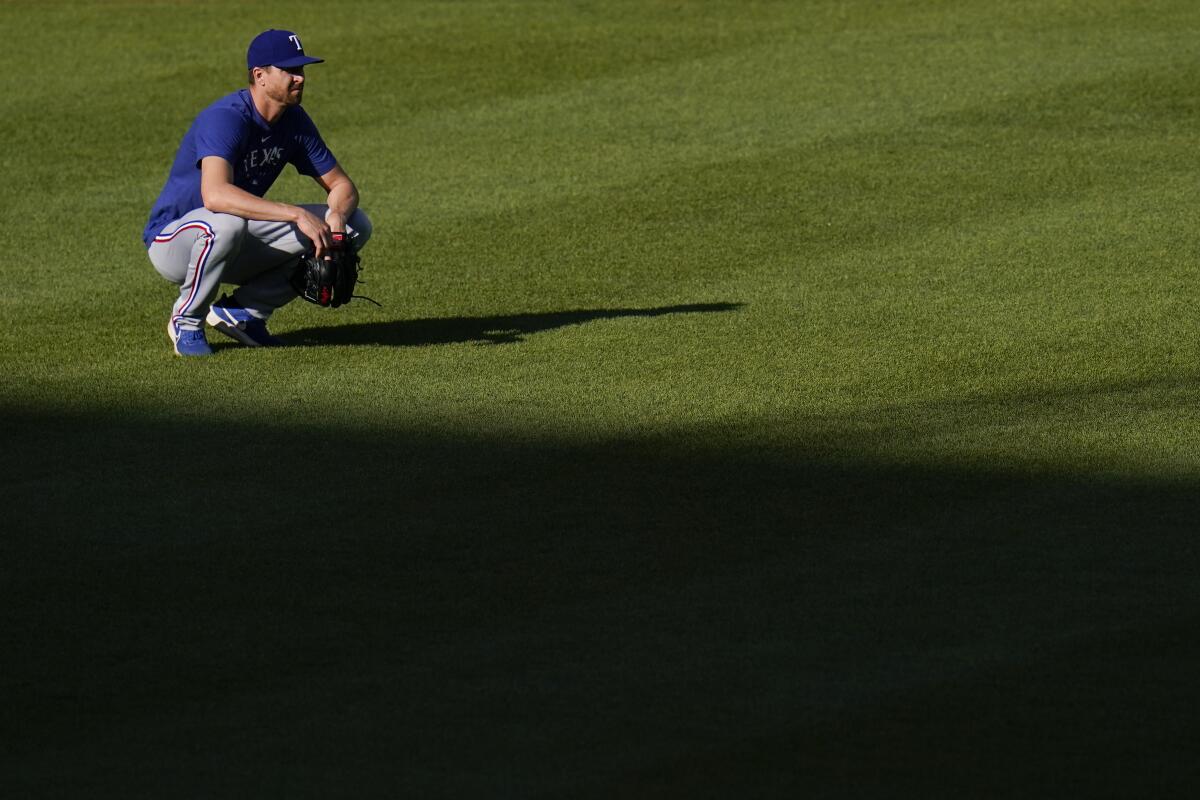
point(316, 229)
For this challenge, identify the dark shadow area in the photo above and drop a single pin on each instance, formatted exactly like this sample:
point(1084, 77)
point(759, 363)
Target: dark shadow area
point(505, 329)
point(476, 617)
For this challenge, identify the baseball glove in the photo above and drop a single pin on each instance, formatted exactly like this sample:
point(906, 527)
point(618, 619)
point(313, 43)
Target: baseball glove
point(328, 281)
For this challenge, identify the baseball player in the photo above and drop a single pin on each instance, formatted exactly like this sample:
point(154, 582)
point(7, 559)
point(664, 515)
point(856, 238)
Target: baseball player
point(211, 224)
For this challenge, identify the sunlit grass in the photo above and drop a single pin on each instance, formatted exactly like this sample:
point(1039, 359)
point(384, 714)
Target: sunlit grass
point(740, 367)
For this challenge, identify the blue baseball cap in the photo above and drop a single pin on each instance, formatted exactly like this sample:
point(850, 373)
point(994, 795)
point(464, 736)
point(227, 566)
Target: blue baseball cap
point(275, 48)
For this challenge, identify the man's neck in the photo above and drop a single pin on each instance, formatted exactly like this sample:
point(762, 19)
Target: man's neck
point(267, 108)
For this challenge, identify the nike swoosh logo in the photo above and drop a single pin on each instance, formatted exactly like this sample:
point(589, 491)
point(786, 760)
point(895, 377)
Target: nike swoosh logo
point(265, 138)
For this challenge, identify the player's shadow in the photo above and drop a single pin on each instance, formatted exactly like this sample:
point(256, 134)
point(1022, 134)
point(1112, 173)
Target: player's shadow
point(506, 329)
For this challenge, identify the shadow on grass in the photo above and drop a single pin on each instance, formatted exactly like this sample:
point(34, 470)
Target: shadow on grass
point(471, 616)
point(506, 329)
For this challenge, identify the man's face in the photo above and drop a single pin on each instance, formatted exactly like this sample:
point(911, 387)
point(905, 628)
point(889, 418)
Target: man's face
point(284, 84)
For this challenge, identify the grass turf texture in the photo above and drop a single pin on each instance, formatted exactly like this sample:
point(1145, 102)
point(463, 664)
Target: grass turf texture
point(766, 397)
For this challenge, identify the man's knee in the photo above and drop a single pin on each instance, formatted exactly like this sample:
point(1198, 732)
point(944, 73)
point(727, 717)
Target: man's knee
point(228, 229)
point(226, 232)
point(360, 226)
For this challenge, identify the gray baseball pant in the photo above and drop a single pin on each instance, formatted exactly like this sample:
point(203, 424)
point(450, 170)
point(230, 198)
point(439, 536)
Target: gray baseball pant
point(204, 249)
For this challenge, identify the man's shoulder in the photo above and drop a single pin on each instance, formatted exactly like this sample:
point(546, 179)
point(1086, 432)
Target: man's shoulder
point(225, 111)
point(222, 127)
point(223, 124)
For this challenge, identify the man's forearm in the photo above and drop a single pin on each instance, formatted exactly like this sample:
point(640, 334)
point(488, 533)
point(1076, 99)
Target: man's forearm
point(342, 202)
point(229, 199)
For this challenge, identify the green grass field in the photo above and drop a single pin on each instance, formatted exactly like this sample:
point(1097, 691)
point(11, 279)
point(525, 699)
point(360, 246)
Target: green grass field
point(768, 399)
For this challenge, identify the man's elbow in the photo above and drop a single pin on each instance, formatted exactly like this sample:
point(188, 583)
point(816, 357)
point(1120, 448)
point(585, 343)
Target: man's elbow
point(213, 200)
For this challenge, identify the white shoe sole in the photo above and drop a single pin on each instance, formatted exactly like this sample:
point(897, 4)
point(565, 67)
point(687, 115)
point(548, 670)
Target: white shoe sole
point(232, 331)
point(171, 336)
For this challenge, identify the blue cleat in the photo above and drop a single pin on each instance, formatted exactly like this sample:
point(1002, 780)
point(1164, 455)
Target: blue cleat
point(188, 341)
point(237, 323)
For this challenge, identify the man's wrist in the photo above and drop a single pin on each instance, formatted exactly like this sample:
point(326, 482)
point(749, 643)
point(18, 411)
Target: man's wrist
point(335, 220)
